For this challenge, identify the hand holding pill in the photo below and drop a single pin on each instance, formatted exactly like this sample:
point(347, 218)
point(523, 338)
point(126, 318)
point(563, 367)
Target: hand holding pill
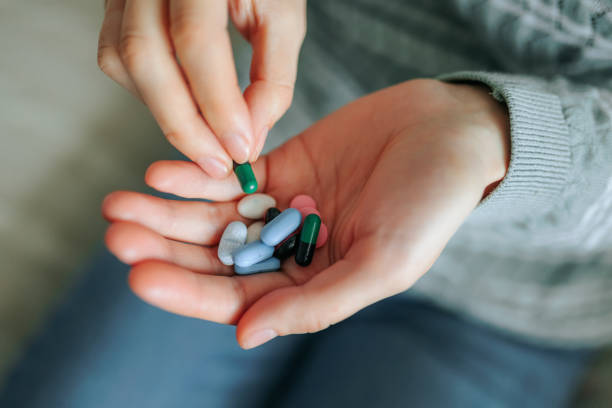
point(176, 56)
point(393, 175)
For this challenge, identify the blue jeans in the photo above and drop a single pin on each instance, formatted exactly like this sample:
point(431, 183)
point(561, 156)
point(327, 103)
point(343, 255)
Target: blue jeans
point(106, 348)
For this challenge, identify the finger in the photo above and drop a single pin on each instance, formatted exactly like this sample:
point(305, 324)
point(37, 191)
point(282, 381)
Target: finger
point(134, 243)
point(276, 38)
point(202, 43)
point(185, 179)
point(219, 299)
point(108, 46)
point(194, 222)
point(334, 294)
point(147, 54)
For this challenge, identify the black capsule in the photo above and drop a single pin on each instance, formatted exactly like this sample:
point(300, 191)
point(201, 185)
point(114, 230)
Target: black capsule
point(308, 240)
point(286, 248)
point(271, 213)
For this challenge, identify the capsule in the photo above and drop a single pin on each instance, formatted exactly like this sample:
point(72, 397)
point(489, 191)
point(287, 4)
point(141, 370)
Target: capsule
point(254, 230)
point(233, 238)
point(252, 253)
point(254, 206)
point(308, 240)
point(271, 213)
point(274, 232)
point(246, 177)
point(301, 201)
point(268, 265)
point(286, 248)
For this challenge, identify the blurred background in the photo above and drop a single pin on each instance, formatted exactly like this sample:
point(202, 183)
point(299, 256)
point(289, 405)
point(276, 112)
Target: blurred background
point(70, 136)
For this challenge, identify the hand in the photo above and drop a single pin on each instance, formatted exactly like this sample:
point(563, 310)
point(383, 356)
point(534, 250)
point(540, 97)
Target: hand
point(394, 173)
point(197, 102)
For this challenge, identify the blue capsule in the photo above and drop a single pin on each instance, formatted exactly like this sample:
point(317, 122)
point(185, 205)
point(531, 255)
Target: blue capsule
point(252, 253)
point(281, 227)
point(269, 265)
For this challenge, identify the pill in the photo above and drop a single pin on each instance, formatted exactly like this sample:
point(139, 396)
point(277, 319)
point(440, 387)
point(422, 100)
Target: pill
point(268, 265)
point(281, 227)
point(308, 240)
point(254, 206)
point(246, 177)
point(308, 210)
point(322, 238)
point(286, 248)
point(233, 237)
point(252, 253)
point(303, 200)
point(271, 213)
point(254, 231)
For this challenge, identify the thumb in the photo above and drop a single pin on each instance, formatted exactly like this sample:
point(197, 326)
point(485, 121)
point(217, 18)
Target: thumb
point(329, 297)
point(276, 38)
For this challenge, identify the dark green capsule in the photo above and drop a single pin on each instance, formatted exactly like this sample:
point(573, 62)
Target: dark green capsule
point(308, 240)
point(245, 175)
point(286, 248)
point(271, 213)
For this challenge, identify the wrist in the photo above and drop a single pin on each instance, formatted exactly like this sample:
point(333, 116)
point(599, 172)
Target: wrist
point(490, 130)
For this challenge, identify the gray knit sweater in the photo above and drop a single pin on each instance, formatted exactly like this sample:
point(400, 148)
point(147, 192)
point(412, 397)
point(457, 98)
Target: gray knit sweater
point(535, 258)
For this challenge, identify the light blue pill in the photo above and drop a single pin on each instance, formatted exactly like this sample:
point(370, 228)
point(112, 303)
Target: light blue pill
point(252, 253)
point(281, 227)
point(269, 265)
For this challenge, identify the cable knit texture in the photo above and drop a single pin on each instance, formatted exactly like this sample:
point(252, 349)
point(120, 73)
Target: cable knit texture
point(535, 258)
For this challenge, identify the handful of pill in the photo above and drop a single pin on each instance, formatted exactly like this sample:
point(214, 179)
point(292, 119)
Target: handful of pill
point(274, 236)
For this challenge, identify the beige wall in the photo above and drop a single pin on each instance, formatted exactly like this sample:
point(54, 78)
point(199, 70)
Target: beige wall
point(69, 136)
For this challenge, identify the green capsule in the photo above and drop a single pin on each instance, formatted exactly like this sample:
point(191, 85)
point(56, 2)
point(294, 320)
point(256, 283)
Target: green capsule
point(310, 229)
point(308, 240)
point(245, 175)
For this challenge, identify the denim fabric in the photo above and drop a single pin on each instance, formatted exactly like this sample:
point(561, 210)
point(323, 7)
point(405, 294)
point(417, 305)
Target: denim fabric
point(106, 348)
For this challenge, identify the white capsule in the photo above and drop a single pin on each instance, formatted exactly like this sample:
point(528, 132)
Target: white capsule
point(254, 231)
point(233, 238)
point(254, 206)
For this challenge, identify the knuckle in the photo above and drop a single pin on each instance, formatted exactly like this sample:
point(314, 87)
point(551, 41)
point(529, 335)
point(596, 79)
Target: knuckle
point(284, 97)
point(133, 50)
point(108, 59)
point(184, 34)
point(314, 323)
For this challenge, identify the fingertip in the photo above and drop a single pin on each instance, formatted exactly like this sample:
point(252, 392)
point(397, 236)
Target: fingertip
point(123, 206)
point(268, 313)
point(138, 280)
point(260, 141)
point(214, 167)
point(257, 338)
point(118, 243)
point(148, 281)
point(112, 203)
point(157, 177)
point(238, 145)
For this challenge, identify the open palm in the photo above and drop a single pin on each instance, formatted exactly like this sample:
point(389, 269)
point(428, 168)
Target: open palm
point(394, 173)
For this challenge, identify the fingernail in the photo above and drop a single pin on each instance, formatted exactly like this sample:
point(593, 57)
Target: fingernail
point(259, 337)
point(238, 147)
point(214, 167)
